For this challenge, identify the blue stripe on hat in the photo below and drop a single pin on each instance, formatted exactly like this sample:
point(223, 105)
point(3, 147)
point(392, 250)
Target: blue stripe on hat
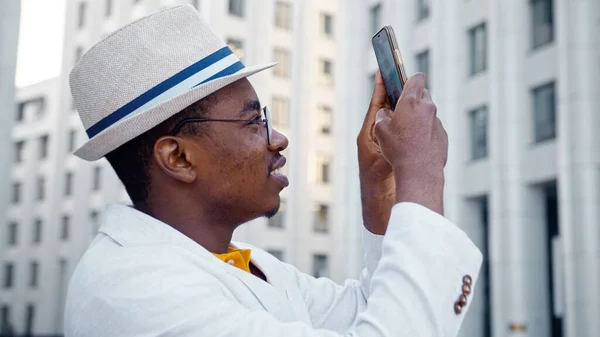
point(225, 72)
point(166, 85)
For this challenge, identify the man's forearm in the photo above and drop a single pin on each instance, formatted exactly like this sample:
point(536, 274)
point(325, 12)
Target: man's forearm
point(377, 201)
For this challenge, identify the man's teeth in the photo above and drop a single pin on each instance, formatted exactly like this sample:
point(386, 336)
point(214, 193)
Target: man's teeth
point(275, 172)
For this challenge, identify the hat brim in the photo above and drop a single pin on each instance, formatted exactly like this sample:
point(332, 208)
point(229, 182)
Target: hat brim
point(129, 128)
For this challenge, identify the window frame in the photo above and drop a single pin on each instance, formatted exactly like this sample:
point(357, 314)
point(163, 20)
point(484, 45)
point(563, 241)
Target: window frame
point(474, 69)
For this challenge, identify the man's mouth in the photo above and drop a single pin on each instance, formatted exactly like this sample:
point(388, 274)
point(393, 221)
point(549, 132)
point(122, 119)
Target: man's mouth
point(276, 172)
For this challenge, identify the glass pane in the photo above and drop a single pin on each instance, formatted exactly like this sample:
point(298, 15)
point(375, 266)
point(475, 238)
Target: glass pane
point(376, 18)
point(320, 265)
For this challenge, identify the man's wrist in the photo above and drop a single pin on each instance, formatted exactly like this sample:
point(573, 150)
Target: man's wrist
point(377, 199)
point(424, 187)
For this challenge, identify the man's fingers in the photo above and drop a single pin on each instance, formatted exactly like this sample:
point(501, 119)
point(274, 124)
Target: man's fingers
point(378, 101)
point(427, 95)
point(415, 87)
point(383, 114)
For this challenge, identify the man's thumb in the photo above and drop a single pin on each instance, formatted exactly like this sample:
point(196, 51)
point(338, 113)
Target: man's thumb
point(379, 98)
point(383, 116)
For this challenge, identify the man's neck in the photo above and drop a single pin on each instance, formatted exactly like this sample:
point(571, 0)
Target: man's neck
point(212, 233)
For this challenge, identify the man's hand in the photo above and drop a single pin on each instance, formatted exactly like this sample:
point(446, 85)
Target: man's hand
point(377, 186)
point(415, 144)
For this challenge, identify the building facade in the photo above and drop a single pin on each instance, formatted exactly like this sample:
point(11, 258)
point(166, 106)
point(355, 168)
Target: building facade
point(517, 87)
point(9, 35)
point(58, 199)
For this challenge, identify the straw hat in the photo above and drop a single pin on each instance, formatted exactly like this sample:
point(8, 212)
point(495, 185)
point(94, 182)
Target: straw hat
point(145, 73)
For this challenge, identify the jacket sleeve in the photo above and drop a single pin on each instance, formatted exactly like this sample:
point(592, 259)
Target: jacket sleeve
point(335, 307)
point(411, 293)
point(421, 241)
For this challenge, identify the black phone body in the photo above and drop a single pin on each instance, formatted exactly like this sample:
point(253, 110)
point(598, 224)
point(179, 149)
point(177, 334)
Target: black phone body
point(390, 63)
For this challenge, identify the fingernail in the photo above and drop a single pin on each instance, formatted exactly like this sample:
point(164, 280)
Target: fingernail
point(380, 115)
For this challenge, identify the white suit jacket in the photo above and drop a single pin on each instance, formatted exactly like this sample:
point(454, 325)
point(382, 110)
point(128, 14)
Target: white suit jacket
point(140, 277)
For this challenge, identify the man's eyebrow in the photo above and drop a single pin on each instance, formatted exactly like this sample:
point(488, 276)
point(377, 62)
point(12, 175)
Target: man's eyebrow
point(250, 106)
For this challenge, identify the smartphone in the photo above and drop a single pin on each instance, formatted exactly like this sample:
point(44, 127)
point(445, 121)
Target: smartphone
point(390, 63)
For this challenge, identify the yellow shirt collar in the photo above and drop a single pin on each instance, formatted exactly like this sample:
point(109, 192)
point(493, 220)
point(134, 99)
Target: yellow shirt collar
point(239, 258)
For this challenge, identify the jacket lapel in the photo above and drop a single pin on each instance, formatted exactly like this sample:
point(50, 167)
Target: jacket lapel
point(128, 227)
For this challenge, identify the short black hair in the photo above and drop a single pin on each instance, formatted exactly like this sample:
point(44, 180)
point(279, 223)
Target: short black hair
point(131, 161)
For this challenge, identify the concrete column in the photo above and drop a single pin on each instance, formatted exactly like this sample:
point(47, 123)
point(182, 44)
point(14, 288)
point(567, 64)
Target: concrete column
point(577, 30)
point(447, 62)
point(352, 93)
point(9, 36)
point(518, 258)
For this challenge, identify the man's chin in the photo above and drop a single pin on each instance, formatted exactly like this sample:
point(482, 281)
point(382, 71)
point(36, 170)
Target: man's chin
point(272, 212)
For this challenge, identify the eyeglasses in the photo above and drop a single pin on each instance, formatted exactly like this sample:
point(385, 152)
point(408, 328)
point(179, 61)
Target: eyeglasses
point(263, 119)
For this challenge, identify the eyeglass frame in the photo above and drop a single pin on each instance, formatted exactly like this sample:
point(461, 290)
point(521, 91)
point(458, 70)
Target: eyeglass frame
point(266, 114)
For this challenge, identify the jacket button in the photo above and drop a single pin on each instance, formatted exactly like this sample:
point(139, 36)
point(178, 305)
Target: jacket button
point(466, 289)
point(462, 300)
point(457, 308)
point(467, 279)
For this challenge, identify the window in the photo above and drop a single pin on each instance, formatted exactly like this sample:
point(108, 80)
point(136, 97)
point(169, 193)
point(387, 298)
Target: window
point(372, 78)
point(423, 65)
point(35, 106)
point(321, 218)
point(97, 178)
point(37, 231)
point(422, 9)
point(20, 112)
point(542, 22)
point(81, 14)
point(8, 275)
point(19, 151)
point(5, 328)
point(278, 254)
point(33, 274)
point(13, 232)
point(94, 221)
point(64, 228)
point(280, 112)
point(544, 112)
point(16, 193)
point(478, 118)
point(320, 266)
point(43, 147)
point(41, 188)
point(72, 141)
point(68, 184)
point(327, 25)
point(108, 8)
point(326, 71)
point(323, 166)
point(278, 220)
point(324, 119)
point(478, 49)
point(236, 8)
point(283, 57)
point(376, 18)
point(78, 54)
point(29, 319)
point(237, 47)
point(283, 15)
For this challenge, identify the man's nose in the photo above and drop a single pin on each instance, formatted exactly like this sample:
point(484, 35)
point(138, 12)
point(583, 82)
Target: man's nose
point(279, 142)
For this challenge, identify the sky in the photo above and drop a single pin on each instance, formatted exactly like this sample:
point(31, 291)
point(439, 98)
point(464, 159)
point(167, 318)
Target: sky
point(40, 41)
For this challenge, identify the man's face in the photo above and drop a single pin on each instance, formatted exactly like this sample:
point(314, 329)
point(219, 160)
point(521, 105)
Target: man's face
point(241, 176)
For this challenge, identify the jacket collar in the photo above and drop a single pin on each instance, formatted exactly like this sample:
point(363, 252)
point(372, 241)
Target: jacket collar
point(130, 227)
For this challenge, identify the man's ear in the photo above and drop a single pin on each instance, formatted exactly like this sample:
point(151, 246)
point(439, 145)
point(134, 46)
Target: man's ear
point(175, 158)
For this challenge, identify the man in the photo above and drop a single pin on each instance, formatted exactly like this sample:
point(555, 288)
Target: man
point(171, 109)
